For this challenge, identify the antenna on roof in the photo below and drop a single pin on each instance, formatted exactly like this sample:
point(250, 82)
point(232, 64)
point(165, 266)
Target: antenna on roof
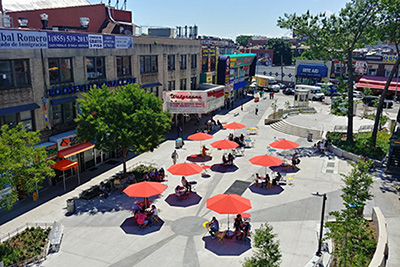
point(109, 3)
point(116, 4)
point(124, 5)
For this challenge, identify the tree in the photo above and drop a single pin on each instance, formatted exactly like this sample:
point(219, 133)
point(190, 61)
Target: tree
point(127, 118)
point(281, 48)
point(389, 30)
point(23, 166)
point(266, 252)
point(243, 39)
point(336, 36)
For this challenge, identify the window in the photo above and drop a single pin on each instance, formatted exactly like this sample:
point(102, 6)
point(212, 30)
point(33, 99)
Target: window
point(193, 83)
point(183, 84)
point(60, 70)
point(63, 114)
point(14, 73)
point(95, 68)
point(171, 62)
point(13, 119)
point(183, 62)
point(148, 64)
point(123, 66)
point(371, 72)
point(171, 85)
point(153, 90)
point(193, 61)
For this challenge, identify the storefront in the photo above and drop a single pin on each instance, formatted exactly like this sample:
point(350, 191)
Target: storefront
point(234, 72)
point(311, 73)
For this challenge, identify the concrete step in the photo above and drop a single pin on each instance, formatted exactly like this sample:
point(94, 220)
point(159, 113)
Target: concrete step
point(288, 128)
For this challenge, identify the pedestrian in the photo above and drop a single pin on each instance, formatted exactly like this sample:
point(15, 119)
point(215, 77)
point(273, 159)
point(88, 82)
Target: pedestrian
point(256, 109)
point(272, 93)
point(174, 157)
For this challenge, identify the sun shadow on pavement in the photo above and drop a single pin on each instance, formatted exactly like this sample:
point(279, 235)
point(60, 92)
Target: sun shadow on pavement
point(285, 169)
point(273, 190)
point(198, 158)
point(191, 200)
point(229, 247)
point(129, 226)
point(224, 168)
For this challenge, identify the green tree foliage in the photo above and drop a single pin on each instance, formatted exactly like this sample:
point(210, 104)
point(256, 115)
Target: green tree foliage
point(127, 118)
point(336, 36)
point(266, 252)
point(389, 30)
point(281, 48)
point(243, 39)
point(23, 167)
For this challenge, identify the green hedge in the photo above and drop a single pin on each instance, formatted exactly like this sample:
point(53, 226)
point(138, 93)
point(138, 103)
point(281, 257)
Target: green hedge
point(26, 245)
point(362, 144)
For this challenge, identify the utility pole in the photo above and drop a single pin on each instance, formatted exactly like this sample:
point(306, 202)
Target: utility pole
point(281, 68)
point(324, 198)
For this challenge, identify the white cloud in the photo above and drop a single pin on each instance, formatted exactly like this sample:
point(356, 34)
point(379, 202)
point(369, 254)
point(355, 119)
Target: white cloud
point(328, 13)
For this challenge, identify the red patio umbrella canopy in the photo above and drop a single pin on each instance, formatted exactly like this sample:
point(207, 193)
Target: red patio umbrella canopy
point(234, 125)
point(224, 144)
point(200, 136)
point(145, 189)
point(266, 161)
point(284, 144)
point(228, 204)
point(185, 169)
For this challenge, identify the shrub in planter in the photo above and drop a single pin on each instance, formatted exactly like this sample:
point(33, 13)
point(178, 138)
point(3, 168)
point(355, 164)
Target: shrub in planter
point(140, 170)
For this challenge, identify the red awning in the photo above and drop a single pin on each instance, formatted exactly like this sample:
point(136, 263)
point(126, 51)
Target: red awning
point(64, 165)
point(377, 83)
point(73, 150)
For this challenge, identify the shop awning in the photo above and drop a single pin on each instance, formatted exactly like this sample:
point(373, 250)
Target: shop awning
point(377, 83)
point(312, 70)
point(151, 85)
point(64, 165)
point(239, 85)
point(63, 100)
point(68, 152)
point(16, 109)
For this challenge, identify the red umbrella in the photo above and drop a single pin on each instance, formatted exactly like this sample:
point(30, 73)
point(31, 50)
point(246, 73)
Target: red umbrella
point(224, 144)
point(200, 136)
point(234, 125)
point(144, 189)
point(266, 161)
point(228, 204)
point(185, 169)
point(284, 144)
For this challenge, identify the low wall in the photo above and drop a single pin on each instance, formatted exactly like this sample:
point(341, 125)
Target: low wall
point(382, 248)
point(348, 155)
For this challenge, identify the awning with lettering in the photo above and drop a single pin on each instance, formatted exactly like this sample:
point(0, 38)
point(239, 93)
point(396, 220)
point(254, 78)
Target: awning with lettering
point(312, 70)
point(151, 85)
point(64, 100)
point(76, 149)
point(16, 109)
point(64, 165)
point(377, 83)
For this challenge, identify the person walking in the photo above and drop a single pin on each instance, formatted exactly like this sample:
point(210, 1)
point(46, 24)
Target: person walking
point(256, 109)
point(174, 157)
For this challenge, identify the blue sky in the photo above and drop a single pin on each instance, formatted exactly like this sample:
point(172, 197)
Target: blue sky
point(224, 18)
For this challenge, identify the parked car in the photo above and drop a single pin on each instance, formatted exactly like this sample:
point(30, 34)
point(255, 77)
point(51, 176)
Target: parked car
point(289, 91)
point(282, 85)
point(371, 100)
point(357, 94)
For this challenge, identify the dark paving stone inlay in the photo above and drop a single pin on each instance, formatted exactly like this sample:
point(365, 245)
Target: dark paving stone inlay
point(331, 164)
point(238, 187)
point(329, 171)
point(189, 226)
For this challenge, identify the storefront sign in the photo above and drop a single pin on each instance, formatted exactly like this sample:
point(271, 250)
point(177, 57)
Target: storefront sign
point(73, 89)
point(312, 70)
point(390, 58)
point(52, 152)
point(62, 40)
point(227, 70)
point(64, 140)
point(239, 61)
point(361, 67)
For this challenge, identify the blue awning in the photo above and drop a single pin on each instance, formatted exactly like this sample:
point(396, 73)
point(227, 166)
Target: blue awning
point(239, 85)
point(312, 70)
point(16, 109)
point(63, 100)
point(150, 85)
point(46, 144)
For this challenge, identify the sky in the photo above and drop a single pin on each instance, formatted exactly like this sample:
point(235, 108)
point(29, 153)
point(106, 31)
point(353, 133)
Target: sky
point(223, 18)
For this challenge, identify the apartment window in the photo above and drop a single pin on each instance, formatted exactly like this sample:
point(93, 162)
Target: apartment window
point(95, 67)
point(60, 70)
point(123, 66)
point(193, 83)
point(183, 84)
point(148, 64)
point(14, 73)
point(193, 61)
point(63, 114)
point(183, 62)
point(171, 85)
point(12, 120)
point(171, 62)
point(371, 72)
point(153, 90)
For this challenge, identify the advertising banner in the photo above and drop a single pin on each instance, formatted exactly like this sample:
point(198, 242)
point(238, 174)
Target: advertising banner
point(361, 67)
point(389, 58)
point(57, 40)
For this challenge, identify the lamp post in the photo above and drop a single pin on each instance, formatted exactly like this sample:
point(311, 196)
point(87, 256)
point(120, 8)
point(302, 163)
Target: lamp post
point(324, 198)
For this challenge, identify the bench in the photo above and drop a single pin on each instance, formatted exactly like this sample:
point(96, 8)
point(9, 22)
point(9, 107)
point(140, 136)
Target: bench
point(55, 237)
point(340, 129)
point(365, 128)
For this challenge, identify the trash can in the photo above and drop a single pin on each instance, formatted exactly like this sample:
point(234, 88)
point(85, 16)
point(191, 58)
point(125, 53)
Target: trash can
point(71, 206)
point(178, 143)
point(309, 137)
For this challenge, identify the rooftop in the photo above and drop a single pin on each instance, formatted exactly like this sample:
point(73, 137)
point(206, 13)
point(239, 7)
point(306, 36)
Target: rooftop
point(19, 5)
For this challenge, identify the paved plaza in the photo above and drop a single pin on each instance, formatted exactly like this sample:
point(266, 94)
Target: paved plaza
point(102, 232)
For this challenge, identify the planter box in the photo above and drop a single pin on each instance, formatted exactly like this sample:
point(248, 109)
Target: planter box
point(268, 121)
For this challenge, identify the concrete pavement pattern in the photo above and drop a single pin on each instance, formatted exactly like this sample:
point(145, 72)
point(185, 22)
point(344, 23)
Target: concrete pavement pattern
point(102, 232)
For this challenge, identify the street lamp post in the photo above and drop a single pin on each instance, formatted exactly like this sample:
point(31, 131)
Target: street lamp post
point(324, 198)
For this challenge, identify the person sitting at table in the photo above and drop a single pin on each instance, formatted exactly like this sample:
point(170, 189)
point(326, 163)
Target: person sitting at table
point(230, 159)
point(295, 159)
point(141, 219)
point(266, 181)
point(246, 228)
point(104, 190)
point(219, 124)
point(186, 184)
point(204, 151)
point(131, 178)
point(241, 138)
point(224, 160)
point(230, 137)
point(237, 141)
point(238, 225)
point(180, 191)
point(213, 227)
point(153, 213)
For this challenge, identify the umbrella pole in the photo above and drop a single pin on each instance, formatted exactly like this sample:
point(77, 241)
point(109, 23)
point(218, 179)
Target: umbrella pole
point(65, 187)
point(228, 222)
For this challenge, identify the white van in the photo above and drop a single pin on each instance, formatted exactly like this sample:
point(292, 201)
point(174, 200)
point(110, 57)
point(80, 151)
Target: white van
point(315, 92)
point(268, 82)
